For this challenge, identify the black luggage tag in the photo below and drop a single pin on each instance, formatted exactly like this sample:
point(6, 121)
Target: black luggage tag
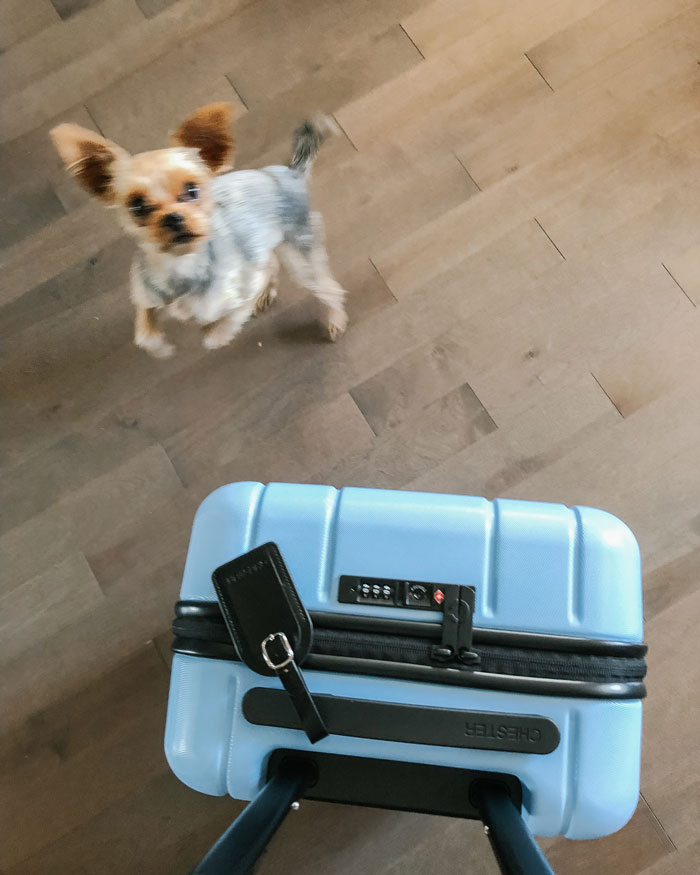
point(269, 626)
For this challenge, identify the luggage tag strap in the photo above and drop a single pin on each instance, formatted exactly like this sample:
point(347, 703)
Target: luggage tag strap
point(279, 656)
point(268, 624)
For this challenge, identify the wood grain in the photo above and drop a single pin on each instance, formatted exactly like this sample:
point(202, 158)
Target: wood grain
point(670, 782)
point(20, 19)
point(513, 204)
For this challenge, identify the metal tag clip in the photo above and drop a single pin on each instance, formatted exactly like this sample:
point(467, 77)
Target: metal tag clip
point(284, 656)
point(279, 656)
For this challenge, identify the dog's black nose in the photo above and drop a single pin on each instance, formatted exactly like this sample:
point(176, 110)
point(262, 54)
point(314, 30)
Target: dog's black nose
point(174, 222)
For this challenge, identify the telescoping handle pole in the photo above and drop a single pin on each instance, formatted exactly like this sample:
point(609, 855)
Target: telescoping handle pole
point(240, 847)
point(516, 850)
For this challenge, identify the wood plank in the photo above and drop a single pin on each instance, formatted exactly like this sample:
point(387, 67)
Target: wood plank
point(50, 600)
point(685, 270)
point(448, 240)
point(20, 19)
point(559, 418)
point(640, 242)
point(60, 245)
point(132, 47)
point(684, 862)
point(321, 439)
point(144, 546)
point(173, 836)
point(539, 350)
point(151, 8)
point(670, 782)
point(602, 204)
point(434, 26)
point(40, 359)
point(138, 607)
point(464, 838)
point(447, 425)
point(400, 392)
point(138, 562)
point(375, 199)
point(443, 101)
point(314, 36)
point(468, 227)
point(390, 839)
point(671, 582)
point(497, 25)
point(69, 289)
point(169, 89)
point(643, 87)
point(110, 367)
point(264, 135)
point(52, 48)
point(606, 30)
point(654, 364)
point(442, 98)
point(675, 484)
point(191, 71)
point(69, 464)
point(88, 516)
point(534, 343)
point(32, 157)
point(27, 211)
point(63, 750)
point(68, 8)
point(492, 278)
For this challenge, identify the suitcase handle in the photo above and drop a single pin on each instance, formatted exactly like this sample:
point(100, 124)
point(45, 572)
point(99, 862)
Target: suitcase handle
point(243, 843)
point(514, 847)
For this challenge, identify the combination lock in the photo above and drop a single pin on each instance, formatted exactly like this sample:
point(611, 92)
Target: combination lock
point(391, 592)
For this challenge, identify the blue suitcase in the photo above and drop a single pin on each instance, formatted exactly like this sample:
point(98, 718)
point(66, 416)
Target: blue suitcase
point(552, 703)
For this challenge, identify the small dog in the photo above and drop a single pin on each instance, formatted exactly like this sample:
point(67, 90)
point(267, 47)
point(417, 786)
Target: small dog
point(208, 239)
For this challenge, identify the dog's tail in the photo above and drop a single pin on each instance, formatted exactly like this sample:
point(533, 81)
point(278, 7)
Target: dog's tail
point(308, 139)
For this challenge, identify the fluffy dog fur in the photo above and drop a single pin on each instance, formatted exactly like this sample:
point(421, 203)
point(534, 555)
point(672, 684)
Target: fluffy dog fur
point(207, 239)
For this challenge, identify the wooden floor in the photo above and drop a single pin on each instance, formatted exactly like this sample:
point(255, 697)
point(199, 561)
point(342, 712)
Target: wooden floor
point(515, 207)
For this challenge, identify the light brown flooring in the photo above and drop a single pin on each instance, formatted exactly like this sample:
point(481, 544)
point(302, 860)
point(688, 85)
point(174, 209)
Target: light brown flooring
point(515, 207)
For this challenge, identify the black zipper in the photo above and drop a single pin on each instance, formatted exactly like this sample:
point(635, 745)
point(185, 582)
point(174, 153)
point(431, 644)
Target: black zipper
point(368, 640)
point(524, 662)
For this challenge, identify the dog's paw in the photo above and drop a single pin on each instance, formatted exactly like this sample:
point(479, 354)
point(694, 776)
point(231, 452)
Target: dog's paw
point(265, 301)
point(217, 339)
point(179, 311)
point(222, 332)
point(337, 323)
point(156, 345)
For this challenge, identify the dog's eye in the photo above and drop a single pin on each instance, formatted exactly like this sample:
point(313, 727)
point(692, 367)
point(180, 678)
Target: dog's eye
point(138, 207)
point(190, 192)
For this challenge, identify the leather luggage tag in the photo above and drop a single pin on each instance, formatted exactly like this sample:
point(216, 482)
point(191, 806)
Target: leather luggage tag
point(268, 624)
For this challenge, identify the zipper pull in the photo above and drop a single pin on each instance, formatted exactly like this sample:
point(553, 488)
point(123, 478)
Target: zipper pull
point(465, 654)
point(457, 613)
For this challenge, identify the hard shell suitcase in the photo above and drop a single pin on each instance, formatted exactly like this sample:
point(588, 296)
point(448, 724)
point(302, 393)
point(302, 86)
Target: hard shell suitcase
point(551, 702)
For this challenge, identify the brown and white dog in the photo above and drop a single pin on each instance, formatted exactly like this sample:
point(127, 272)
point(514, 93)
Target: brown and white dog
point(208, 240)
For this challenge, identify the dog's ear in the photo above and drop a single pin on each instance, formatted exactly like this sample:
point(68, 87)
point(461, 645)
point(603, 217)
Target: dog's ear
point(208, 131)
point(89, 157)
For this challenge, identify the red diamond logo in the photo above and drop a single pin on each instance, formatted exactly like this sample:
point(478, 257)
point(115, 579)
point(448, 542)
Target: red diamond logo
point(438, 596)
